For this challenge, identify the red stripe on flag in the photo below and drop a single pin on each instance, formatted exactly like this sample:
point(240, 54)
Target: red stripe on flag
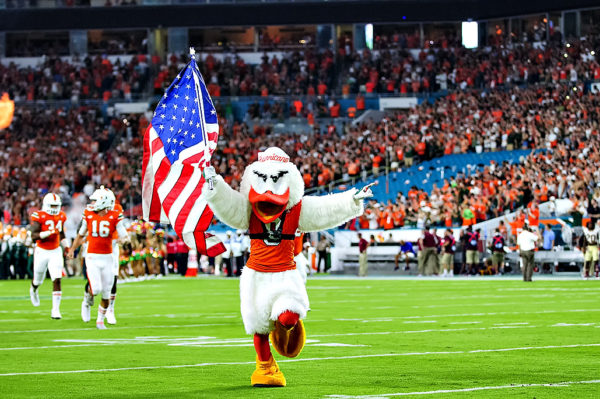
point(182, 180)
point(205, 219)
point(212, 136)
point(146, 156)
point(156, 145)
point(200, 242)
point(214, 250)
point(194, 158)
point(162, 172)
point(155, 207)
point(159, 177)
point(187, 207)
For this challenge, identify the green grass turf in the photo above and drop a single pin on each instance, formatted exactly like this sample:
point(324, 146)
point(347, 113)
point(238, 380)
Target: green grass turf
point(399, 323)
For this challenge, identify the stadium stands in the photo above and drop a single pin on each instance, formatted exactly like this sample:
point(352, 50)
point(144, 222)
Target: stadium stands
point(466, 148)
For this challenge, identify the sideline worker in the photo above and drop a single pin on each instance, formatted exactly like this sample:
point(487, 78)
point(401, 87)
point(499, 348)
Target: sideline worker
point(527, 241)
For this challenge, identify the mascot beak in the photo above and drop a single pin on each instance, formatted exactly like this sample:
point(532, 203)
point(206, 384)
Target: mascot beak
point(268, 206)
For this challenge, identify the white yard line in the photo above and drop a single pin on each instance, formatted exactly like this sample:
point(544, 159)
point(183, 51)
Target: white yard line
point(51, 347)
point(545, 289)
point(465, 315)
point(594, 300)
point(329, 321)
point(302, 360)
point(494, 327)
point(495, 313)
point(420, 331)
point(440, 391)
point(222, 342)
point(91, 328)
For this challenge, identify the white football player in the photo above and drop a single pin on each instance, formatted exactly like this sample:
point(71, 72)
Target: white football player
point(99, 223)
point(47, 232)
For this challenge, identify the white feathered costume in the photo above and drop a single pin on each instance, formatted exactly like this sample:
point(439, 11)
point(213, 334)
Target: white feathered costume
point(272, 206)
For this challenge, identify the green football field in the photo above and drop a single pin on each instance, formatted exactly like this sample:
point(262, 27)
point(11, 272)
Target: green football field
point(176, 338)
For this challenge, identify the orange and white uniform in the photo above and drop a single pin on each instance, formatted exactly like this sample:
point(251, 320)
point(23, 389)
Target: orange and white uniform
point(115, 242)
point(48, 254)
point(99, 258)
point(271, 279)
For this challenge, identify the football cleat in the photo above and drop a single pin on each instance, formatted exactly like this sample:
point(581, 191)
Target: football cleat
point(56, 314)
point(267, 374)
point(86, 311)
point(100, 325)
point(110, 316)
point(288, 342)
point(35, 297)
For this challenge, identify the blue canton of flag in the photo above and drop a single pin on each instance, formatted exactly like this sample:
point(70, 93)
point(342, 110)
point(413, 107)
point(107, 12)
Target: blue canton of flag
point(178, 117)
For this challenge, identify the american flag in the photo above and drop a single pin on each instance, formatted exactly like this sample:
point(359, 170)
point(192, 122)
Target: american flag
point(177, 146)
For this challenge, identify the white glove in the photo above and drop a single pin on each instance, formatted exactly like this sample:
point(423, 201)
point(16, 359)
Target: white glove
point(363, 193)
point(210, 175)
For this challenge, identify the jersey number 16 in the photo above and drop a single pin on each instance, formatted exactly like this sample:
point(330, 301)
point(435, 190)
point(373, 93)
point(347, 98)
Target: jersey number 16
point(101, 229)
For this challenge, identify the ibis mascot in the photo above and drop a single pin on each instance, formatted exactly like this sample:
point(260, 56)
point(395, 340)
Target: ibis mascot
point(271, 205)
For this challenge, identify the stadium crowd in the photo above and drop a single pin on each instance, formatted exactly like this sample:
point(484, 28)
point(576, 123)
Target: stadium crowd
point(81, 78)
point(399, 70)
point(389, 69)
point(71, 150)
point(67, 152)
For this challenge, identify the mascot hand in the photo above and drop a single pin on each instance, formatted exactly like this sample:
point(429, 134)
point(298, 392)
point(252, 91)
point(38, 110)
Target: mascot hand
point(210, 175)
point(363, 193)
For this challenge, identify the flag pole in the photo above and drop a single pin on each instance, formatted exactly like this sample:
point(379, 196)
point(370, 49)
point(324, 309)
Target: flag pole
point(200, 104)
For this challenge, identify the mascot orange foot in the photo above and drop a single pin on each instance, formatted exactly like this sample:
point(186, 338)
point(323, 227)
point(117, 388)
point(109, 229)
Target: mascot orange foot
point(267, 374)
point(289, 335)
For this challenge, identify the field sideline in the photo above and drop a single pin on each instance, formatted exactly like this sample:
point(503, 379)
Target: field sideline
point(367, 338)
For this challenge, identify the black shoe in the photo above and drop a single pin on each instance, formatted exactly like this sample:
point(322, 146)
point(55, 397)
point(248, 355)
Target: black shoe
point(396, 268)
point(406, 268)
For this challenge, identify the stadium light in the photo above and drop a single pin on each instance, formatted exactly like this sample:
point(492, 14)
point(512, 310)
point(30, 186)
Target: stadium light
point(369, 36)
point(470, 34)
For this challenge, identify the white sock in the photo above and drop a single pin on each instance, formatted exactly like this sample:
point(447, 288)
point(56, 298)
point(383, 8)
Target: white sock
point(56, 297)
point(111, 302)
point(101, 314)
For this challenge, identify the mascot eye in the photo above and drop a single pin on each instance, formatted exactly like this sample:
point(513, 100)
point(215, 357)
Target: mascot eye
point(278, 176)
point(261, 175)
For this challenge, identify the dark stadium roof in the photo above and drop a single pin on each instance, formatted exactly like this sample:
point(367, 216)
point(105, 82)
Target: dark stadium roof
point(278, 13)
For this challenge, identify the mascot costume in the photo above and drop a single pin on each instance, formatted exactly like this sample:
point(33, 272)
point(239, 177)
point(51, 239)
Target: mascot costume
point(272, 206)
